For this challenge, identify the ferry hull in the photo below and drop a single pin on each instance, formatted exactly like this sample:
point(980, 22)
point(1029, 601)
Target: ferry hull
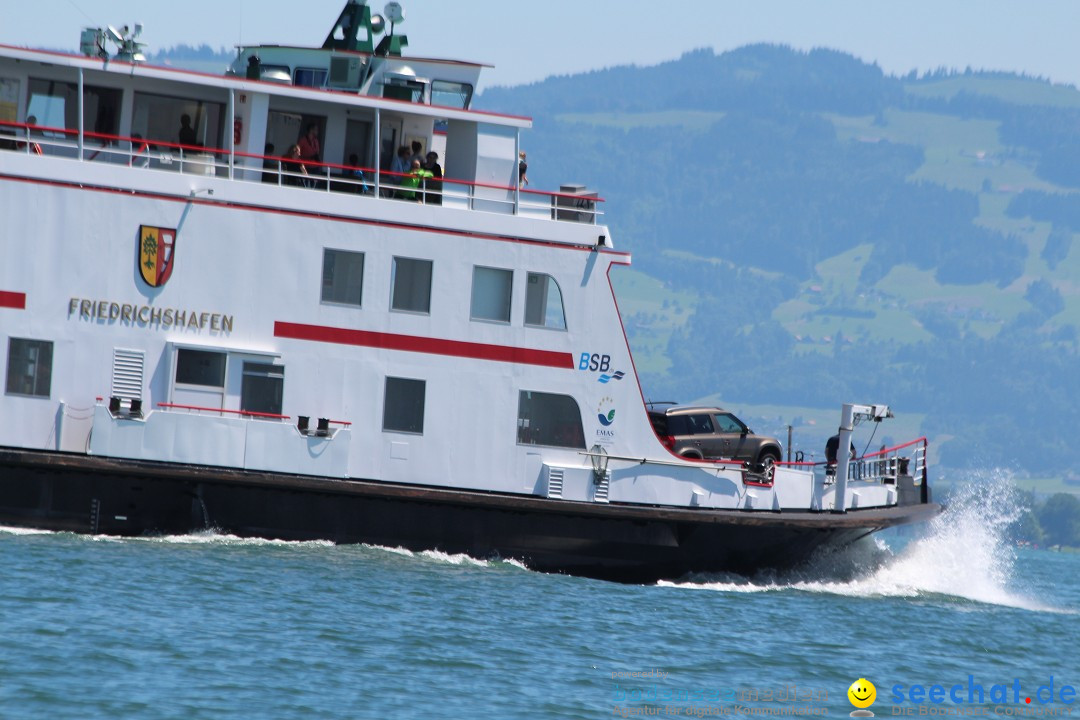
point(75, 493)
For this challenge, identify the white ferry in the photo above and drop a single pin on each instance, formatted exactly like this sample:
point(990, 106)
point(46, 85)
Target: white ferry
point(200, 330)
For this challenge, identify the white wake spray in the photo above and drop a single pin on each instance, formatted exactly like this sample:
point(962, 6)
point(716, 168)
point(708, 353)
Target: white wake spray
point(965, 553)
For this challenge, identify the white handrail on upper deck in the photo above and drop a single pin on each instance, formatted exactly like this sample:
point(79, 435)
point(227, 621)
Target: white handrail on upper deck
point(141, 153)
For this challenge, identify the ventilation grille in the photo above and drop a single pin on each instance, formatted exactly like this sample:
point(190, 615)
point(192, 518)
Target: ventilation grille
point(555, 481)
point(339, 70)
point(601, 494)
point(127, 374)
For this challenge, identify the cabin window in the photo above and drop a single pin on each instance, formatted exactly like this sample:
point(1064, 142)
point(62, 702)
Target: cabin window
point(403, 405)
point(397, 88)
point(543, 302)
point(200, 367)
point(29, 367)
point(310, 77)
point(410, 285)
point(549, 419)
point(343, 277)
point(491, 294)
point(161, 118)
point(262, 388)
point(56, 104)
point(451, 94)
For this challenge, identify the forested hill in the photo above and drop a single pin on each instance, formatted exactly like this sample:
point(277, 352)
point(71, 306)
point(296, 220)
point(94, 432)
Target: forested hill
point(807, 230)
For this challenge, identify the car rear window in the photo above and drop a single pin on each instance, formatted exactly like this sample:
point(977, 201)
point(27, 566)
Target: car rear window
point(659, 423)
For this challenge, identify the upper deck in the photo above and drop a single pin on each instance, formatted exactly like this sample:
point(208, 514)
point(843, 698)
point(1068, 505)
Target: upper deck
point(363, 107)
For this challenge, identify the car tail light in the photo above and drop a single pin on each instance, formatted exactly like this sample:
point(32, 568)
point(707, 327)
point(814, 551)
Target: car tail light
point(668, 441)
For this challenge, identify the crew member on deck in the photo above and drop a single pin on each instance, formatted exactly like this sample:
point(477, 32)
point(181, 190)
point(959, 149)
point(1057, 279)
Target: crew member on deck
point(187, 133)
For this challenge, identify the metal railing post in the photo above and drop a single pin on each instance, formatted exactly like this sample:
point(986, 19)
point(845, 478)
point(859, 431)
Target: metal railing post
point(80, 114)
point(231, 131)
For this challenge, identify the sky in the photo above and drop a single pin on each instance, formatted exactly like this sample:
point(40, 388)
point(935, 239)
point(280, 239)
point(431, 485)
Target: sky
point(528, 41)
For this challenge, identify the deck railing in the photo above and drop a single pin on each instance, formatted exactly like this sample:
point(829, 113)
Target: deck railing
point(139, 153)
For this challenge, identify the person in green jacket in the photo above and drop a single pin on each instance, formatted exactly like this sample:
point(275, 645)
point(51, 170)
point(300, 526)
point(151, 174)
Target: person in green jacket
point(413, 180)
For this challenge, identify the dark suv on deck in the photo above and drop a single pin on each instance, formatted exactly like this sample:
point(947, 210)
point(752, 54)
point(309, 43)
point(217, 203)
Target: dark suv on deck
point(710, 432)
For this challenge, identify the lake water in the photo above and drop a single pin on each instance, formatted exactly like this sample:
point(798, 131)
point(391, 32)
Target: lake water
point(211, 626)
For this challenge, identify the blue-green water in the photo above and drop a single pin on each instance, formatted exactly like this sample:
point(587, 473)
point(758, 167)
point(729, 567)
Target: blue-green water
point(217, 627)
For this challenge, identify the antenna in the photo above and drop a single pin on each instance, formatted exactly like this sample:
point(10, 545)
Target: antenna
point(394, 13)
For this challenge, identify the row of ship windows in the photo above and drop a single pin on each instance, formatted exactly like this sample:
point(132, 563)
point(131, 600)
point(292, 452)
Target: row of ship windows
point(410, 289)
point(547, 419)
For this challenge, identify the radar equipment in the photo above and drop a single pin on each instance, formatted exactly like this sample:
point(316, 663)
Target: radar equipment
point(355, 29)
point(392, 44)
point(128, 49)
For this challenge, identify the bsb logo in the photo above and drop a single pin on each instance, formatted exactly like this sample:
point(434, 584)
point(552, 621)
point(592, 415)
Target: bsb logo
point(599, 363)
point(154, 252)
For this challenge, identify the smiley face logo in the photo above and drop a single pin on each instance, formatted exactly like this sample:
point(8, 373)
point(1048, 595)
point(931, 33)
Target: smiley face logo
point(862, 693)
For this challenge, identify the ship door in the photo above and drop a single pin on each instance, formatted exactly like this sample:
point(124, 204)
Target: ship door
point(390, 138)
point(358, 142)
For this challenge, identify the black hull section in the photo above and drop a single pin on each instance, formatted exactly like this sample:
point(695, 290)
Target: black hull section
point(624, 543)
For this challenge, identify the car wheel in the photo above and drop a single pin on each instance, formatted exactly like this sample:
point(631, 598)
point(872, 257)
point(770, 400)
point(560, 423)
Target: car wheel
point(768, 458)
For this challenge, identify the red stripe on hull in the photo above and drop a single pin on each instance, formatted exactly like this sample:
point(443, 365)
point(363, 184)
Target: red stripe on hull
point(15, 300)
point(431, 346)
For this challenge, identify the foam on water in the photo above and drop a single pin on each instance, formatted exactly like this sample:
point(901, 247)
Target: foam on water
point(8, 530)
point(965, 554)
point(452, 559)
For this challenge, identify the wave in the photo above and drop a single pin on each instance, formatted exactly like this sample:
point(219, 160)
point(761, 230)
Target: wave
point(452, 558)
point(965, 554)
point(11, 530)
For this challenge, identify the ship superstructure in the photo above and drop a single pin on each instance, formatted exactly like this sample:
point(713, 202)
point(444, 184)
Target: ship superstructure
point(202, 329)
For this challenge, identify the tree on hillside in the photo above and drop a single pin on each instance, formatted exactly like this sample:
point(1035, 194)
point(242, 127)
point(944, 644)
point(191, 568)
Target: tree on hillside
point(1060, 519)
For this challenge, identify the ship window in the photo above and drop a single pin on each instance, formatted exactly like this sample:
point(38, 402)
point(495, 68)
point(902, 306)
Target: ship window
point(549, 419)
point(160, 117)
point(403, 407)
point(56, 104)
point(491, 294)
point(397, 88)
point(410, 285)
point(342, 277)
point(29, 367)
point(262, 388)
point(543, 302)
point(451, 94)
point(310, 77)
point(200, 367)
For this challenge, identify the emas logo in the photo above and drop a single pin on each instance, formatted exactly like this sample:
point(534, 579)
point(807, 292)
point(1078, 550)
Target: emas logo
point(603, 414)
point(154, 253)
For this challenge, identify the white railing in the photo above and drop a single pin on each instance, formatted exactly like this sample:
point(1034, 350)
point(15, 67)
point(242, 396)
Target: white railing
point(137, 153)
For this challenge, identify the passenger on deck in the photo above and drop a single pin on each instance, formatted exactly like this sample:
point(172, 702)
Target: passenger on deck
point(35, 148)
point(523, 166)
point(357, 175)
point(415, 179)
point(434, 194)
point(140, 152)
point(187, 133)
point(310, 150)
point(270, 164)
point(417, 153)
point(293, 169)
point(832, 447)
point(311, 154)
point(400, 166)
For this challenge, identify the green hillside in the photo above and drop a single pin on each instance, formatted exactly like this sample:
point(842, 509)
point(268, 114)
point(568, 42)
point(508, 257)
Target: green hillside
point(807, 230)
